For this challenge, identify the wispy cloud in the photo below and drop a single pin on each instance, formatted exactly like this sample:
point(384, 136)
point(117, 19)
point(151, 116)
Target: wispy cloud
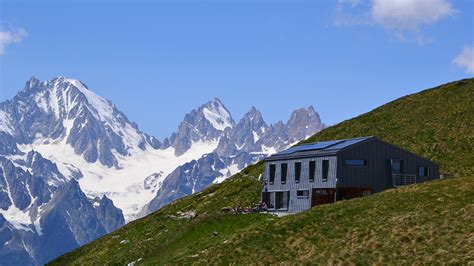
point(410, 14)
point(10, 36)
point(404, 18)
point(352, 12)
point(465, 59)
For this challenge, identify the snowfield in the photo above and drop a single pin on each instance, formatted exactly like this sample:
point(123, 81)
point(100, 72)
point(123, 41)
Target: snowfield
point(17, 218)
point(124, 186)
point(5, 124)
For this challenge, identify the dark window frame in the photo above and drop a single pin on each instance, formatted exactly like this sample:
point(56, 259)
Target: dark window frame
point(312, 170)
point(271, 178)
point(397, 162)
point(283, 174)
point(325, 169)
point(396, 166)
point(302, 192)
point(282, 200)
point(426, 171)
point(355, 162)
point(297, 172)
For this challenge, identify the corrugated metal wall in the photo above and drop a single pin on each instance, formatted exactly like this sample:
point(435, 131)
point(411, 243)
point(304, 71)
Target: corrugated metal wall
point(377, 172)
point(299, 204)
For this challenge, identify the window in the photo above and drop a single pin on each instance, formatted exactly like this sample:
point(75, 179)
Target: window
point(325, 170)
point(272, 173)
point(366, 193)
point(312, 170)
point(396, 165)
point(284, 169)
point(282, 198)
point(302, 193)
point(297, 172)
point(354, 162)
point(422, 171)
point(321, 192)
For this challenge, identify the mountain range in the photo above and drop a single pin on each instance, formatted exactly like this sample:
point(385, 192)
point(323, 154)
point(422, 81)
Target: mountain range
point(73, 167)
point(427, 223)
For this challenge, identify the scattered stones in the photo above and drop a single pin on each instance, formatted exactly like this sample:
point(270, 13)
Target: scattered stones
point(134, 262)
point(186, 215)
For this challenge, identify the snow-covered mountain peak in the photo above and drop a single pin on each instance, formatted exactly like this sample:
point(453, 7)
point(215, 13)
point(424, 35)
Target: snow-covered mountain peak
point(101, 108)
point(60, 95)
point(204, 124)
point(217, 114)
point(64, 111)
point(32, 82)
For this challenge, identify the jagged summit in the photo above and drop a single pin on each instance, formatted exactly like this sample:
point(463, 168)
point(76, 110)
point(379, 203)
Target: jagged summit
point(217, 114)
point(253, 113)
point(306, 117)
point(203, 124)
point(65, 110)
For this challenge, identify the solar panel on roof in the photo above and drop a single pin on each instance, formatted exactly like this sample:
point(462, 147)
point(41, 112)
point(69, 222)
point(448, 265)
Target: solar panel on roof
point(288, 151)
point(319, 145)
point(345, 143)
point(309, 147)
point(324, 146)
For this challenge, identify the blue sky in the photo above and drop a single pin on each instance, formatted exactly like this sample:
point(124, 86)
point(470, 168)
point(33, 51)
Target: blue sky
point(157, 61)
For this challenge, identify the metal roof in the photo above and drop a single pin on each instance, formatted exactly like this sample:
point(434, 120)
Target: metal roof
point(318, 148)
point(309, 147)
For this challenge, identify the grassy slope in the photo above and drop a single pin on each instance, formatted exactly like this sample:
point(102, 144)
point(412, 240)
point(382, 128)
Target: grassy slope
point(161, 237)
point(431, 222)
point(435, 123)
